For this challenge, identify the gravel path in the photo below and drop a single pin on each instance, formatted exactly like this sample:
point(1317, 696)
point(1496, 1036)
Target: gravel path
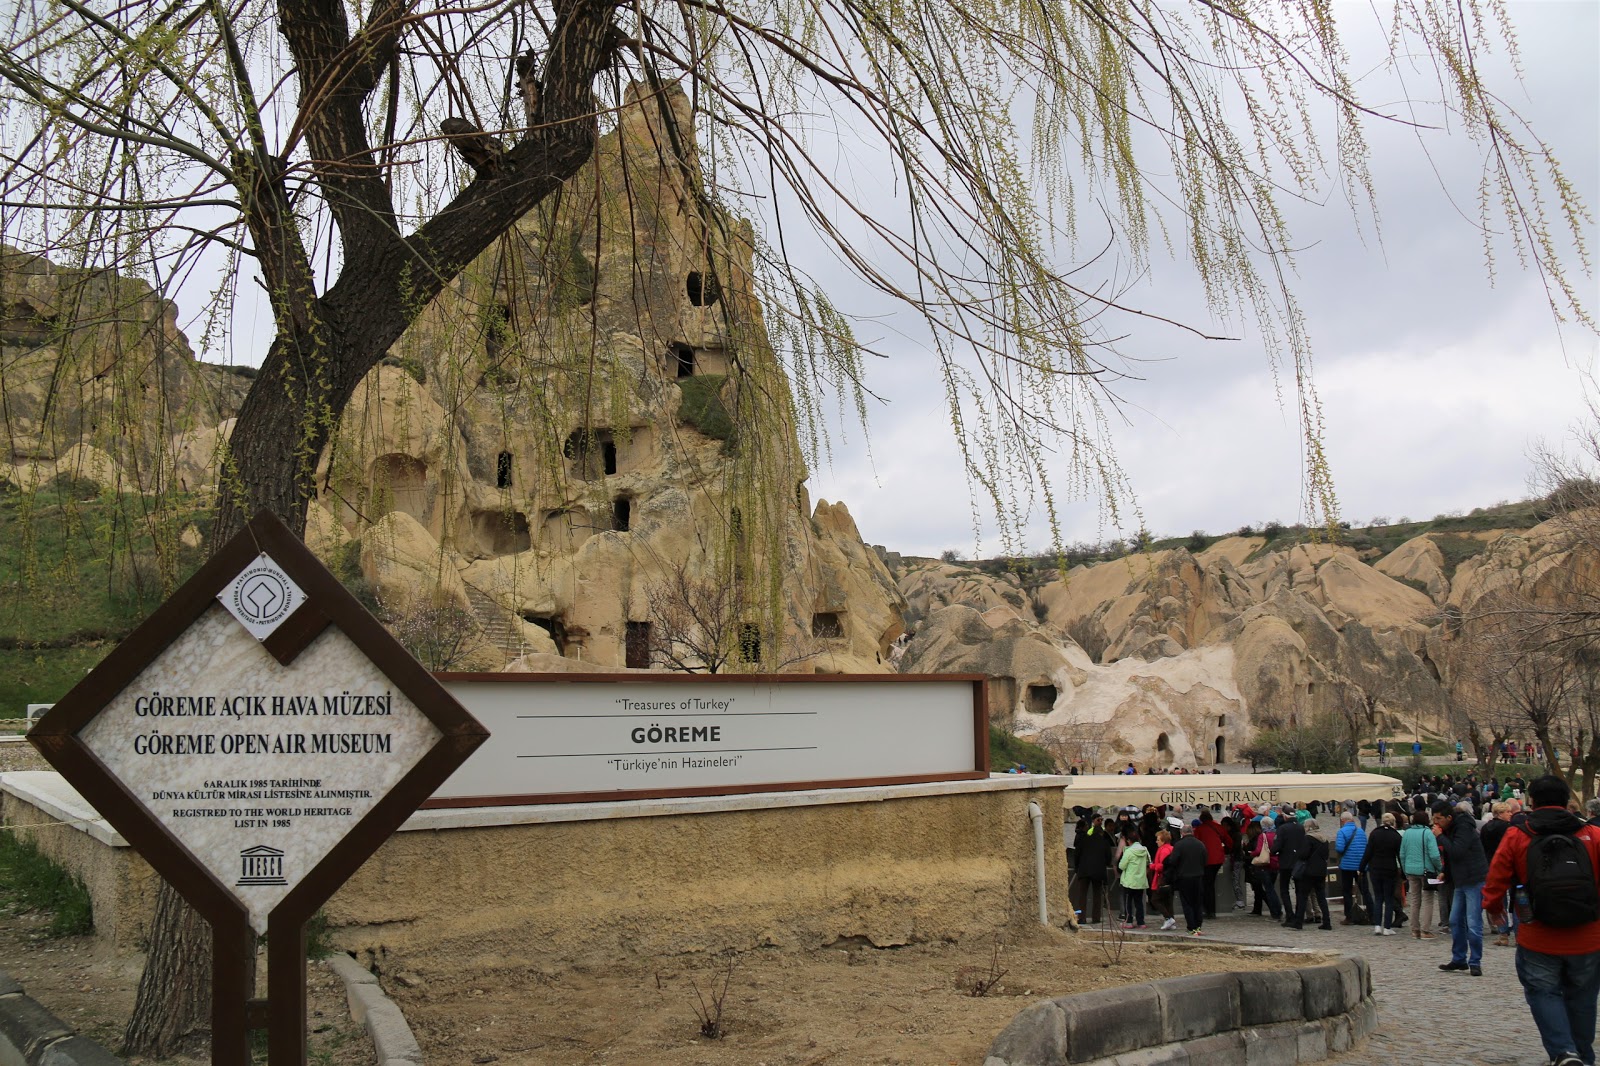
point(1426, 1017)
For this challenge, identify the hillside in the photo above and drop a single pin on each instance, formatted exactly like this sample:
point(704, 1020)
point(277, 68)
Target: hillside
point(1176, 654)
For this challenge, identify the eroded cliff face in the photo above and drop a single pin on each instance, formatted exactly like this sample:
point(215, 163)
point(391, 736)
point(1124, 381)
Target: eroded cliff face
point(590, 415)
point(1175, 659)
point(98, 383)
point(592, 420)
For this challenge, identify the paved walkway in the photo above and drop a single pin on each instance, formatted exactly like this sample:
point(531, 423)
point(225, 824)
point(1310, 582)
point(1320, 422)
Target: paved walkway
point(1426, 1017)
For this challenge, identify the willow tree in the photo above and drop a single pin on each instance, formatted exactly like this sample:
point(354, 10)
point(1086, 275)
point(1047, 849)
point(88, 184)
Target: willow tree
point(353, 158)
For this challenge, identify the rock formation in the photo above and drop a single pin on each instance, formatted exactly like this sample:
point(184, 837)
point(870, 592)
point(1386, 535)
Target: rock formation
point(586, 443)
point(98, 383)
point(1172, 658)
point(590, 427)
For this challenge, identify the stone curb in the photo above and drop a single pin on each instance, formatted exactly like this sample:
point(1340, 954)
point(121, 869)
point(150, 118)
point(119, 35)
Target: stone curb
point(1266, 1018)
point(391, 1036)
point(32, 1036)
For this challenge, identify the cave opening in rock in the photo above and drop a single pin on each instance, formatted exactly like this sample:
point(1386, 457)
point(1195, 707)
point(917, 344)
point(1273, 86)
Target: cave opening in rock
point(496, 331)
point(1042, 698)
point(593, 453)
point(704, 289)
point(400, 483)
point(621, 513)
point(551, 624)
point(1222, 750)
point(682, 360)
point(827, 624)
point(502, 532)
point(502, 471)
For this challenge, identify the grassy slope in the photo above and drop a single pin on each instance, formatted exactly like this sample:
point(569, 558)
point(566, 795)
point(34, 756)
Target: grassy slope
point(77, 572)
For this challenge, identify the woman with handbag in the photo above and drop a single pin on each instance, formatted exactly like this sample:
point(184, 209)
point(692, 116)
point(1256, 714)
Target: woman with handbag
point(1263, 868)
point(1310, 874)
point(1419, 861)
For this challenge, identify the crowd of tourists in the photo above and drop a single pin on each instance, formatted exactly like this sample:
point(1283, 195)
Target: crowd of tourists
point(1520, 859)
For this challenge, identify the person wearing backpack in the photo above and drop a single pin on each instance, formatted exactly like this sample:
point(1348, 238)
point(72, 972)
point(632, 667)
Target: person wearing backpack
point(1551, 865)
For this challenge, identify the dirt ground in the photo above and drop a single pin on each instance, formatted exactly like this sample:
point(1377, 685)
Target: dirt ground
point(845, 1005)
point(91, 990)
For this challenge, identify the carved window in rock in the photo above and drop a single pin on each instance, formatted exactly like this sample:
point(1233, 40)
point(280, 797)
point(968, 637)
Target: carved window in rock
point(1042, 698)
point(1163, 743)
point(1222, 720)
point(502, 471)
point(827, 625)
point(621, 513)
point(703, 288)
point(636, 646)
point(592, 453)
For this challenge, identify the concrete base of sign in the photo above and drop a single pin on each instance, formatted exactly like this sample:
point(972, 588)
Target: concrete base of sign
point(586, 882)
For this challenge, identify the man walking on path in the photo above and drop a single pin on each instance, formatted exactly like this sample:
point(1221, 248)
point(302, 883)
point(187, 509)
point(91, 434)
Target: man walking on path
point(1188, 863)
point(1558, 953)
point(1350, 845)
point(1457, 835)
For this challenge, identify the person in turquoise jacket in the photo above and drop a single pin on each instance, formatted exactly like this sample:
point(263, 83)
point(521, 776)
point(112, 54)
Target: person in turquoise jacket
point(1351, 845)
point(1419, 860)
point(1135, 869)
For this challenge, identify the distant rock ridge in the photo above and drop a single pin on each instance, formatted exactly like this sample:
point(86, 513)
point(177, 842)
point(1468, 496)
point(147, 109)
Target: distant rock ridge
point(1173, 659)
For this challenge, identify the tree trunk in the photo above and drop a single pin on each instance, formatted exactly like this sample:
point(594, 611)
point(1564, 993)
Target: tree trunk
point(173, 1010)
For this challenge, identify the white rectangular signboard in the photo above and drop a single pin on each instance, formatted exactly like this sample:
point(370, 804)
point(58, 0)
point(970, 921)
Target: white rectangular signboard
point(561, 737)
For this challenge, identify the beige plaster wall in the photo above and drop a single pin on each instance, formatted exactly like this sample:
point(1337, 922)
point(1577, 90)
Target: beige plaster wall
point(122, 887)
point(914, 869)
point(948, 866)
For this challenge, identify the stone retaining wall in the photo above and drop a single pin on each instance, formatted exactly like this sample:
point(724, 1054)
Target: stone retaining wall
point(1259, 1018)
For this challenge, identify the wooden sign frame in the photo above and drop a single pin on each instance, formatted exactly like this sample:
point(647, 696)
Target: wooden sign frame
point(56, 736)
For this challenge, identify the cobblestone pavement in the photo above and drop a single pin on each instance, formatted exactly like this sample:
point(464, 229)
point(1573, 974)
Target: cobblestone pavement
point(1426, 1017)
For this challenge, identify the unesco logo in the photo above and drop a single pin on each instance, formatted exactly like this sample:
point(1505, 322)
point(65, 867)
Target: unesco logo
point(262, 596)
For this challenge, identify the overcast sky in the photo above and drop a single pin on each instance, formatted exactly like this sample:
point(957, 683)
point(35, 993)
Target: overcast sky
point(1435, 383)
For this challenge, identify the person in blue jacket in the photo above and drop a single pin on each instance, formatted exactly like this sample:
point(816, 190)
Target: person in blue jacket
point(1350, 845)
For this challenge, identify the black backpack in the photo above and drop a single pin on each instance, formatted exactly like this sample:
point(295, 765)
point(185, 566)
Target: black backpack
point(1561, 885)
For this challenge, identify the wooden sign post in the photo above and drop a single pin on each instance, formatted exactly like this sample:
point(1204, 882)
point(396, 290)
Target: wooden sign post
point(256, 740)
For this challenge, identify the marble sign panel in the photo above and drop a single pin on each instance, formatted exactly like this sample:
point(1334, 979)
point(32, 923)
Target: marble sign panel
point(259, 769)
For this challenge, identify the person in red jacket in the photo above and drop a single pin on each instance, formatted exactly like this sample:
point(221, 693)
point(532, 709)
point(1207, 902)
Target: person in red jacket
point(1209, 833)
point(1558, 966)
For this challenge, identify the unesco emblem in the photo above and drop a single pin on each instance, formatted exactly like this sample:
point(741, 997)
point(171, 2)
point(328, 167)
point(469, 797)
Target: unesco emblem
point(261, 865)
point(262, 596)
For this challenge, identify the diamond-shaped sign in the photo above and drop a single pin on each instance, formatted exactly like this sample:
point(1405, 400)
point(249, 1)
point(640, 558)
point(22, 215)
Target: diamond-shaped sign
point(260, 735)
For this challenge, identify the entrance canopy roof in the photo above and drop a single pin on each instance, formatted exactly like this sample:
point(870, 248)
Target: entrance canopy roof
point(1258, 790)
